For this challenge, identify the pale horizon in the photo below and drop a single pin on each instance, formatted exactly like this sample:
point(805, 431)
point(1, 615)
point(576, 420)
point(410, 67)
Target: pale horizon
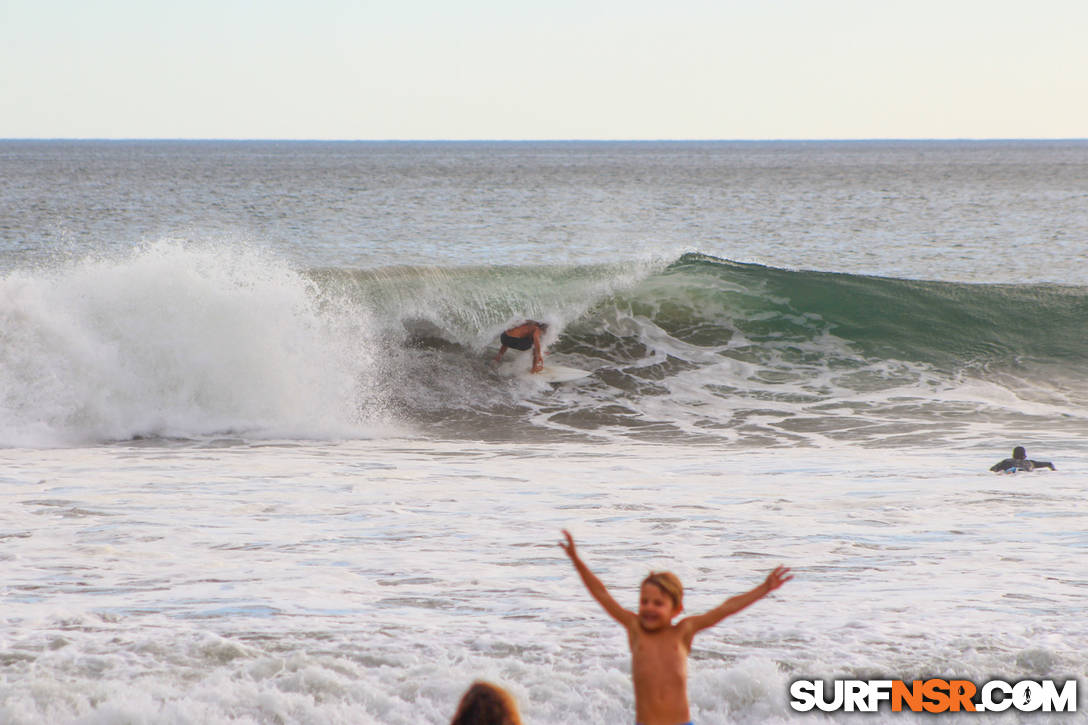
point(483, 70)
point(226, 139)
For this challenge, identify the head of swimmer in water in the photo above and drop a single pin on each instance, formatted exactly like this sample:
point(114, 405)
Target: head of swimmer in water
point(1019, 453)
point(660, 598)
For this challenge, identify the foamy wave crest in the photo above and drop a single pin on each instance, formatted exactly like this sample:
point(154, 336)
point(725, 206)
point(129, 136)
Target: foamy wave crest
point(177, 341)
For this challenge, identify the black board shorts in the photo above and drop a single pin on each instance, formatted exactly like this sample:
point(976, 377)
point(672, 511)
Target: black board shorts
point(516, 343)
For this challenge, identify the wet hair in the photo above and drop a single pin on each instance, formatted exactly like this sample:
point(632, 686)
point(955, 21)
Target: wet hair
point(669, 583)
point(1019, 453)
point(486, 704)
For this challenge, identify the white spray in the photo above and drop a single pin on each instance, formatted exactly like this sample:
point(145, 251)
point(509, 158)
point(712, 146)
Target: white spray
point(176, 341)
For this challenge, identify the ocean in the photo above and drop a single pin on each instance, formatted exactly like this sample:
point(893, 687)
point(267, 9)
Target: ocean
point(257, 467)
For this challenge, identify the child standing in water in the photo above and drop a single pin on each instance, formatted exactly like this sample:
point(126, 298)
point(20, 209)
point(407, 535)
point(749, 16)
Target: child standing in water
point(659, 648)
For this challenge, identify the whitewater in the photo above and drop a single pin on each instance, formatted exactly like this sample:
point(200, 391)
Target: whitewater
point(258, 468)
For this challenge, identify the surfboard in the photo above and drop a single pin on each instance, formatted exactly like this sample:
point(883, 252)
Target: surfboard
point(550, 373)
point(561, 374)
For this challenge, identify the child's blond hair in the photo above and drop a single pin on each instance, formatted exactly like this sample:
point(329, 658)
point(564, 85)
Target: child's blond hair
point(669, 583)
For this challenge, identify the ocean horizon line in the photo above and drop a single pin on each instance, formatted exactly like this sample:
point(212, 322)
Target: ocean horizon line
point(225, 139)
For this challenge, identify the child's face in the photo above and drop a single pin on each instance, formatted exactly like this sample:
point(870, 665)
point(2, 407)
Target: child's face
point(655, 608)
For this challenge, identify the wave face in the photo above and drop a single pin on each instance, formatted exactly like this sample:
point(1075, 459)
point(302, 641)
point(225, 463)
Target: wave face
point(705, 349)
point(173, 341)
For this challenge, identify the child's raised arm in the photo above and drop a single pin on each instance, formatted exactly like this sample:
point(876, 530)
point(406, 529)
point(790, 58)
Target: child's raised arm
point(595, 587)
point(775, 579)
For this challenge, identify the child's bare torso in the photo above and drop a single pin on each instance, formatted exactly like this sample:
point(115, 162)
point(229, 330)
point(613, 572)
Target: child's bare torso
point(659, 668)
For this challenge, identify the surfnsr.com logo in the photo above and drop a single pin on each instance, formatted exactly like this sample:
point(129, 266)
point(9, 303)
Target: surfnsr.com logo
point(934, 695)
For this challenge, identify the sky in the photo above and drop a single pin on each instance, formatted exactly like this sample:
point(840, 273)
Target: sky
point(554, 69)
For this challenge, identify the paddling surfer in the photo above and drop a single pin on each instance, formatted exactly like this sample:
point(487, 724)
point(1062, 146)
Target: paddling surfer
point(524, 337)
point(1020, 462)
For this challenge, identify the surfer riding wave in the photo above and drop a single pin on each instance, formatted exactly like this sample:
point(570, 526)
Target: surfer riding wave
point(524, 337)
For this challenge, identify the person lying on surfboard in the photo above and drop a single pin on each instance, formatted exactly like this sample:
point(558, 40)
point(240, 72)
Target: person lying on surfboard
point(523, 337)
point(1020, 462)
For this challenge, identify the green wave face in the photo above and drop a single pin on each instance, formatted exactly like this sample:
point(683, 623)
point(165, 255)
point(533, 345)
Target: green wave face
point(708, 349)
point(946, 324)
point(703, 301)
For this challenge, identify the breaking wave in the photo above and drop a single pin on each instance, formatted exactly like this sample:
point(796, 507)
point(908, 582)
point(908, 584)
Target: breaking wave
point(189, 342)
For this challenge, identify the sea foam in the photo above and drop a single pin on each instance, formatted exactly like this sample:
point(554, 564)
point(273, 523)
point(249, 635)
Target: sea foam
point(176, 340)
